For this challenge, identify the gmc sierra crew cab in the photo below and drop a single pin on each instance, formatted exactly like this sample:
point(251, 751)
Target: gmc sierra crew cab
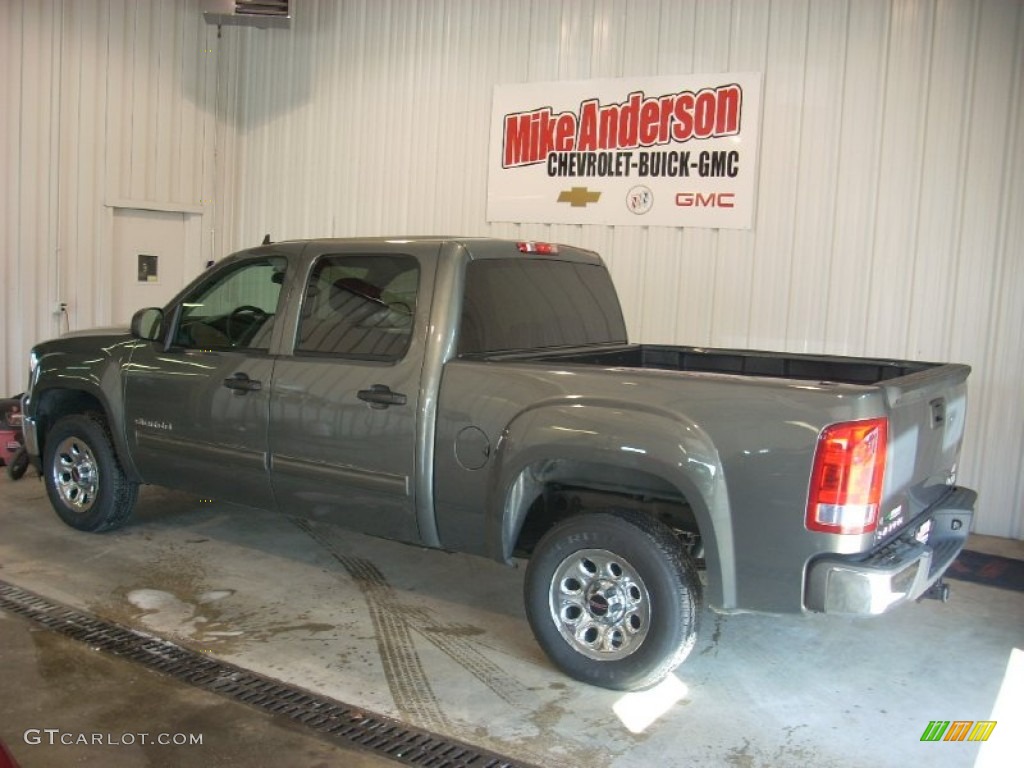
point(481, 396)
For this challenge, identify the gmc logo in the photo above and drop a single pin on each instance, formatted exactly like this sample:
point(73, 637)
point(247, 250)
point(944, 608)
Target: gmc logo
point(709, 200)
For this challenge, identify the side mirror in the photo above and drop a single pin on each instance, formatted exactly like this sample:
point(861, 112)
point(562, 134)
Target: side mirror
point(148, 323)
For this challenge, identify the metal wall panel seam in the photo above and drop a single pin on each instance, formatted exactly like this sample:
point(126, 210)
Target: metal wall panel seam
point(995, 416)
point(976, 284)
point(798, 210)
point(55, 167)
point(12, 32)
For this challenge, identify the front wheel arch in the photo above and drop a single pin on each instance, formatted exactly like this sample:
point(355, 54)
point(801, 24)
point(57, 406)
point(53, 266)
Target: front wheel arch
point(52, 403)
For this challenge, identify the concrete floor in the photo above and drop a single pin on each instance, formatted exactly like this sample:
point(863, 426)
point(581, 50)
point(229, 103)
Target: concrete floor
point(142, 717)
point(440, 641)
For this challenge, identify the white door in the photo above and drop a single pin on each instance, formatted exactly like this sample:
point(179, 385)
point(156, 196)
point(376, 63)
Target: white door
point(149, 260)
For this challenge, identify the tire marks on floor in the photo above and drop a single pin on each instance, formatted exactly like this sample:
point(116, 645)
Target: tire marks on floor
point(454, 641)
point(464, 652)
point(410, 688)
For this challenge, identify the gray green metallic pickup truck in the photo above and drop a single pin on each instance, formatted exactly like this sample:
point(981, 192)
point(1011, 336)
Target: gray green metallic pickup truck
point(481, 396)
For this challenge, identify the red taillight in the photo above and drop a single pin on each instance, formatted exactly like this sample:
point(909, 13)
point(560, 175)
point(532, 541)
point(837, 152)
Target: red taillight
point(846, 482)
point(541, 249)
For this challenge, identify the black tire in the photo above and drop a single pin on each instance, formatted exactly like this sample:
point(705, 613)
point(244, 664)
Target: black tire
point(19, 464)
point(84, 479)
point(613, 599)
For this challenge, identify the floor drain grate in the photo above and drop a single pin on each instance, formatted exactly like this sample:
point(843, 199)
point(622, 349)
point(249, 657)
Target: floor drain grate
point(330, 718)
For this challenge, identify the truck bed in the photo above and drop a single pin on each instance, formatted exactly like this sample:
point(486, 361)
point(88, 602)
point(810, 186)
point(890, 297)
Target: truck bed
point(846, 370)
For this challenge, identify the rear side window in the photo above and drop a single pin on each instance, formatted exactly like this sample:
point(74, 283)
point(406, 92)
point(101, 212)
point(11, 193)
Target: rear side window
point(359, 306)
point(523, 304)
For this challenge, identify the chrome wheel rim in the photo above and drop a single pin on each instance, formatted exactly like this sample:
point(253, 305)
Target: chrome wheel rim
point(75, 474)
point(600, 604)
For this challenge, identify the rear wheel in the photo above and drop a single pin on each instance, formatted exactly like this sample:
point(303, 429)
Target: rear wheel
point(613, 599)
point(84, 478)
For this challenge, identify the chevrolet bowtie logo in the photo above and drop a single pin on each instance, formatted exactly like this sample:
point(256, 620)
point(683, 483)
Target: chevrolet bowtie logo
point(578, 197)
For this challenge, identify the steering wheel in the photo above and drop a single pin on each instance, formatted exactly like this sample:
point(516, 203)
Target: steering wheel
point(404, 312)
point(258, 315)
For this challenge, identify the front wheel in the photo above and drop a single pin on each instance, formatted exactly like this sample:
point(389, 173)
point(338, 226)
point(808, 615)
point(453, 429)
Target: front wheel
point(84, 479)
point(613, 599)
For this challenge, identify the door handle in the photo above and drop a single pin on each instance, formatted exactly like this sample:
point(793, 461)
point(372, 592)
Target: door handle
point(380, 396)
point(241, 383)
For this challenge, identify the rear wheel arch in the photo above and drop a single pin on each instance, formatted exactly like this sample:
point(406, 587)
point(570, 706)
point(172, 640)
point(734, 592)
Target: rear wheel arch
point(534, 502)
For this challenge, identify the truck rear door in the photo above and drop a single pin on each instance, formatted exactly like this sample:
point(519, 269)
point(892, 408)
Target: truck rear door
point(343, 414)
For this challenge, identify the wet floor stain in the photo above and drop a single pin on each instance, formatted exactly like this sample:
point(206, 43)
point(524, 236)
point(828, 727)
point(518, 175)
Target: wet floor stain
point(716, 636)
point(789, 752)
point(548, 715)
point(173, 597)
point(165, 613)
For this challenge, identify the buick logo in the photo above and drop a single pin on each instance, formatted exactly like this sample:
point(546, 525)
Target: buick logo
point(639, 200)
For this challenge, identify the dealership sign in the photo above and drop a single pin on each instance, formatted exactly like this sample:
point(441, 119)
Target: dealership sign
point(664, 151)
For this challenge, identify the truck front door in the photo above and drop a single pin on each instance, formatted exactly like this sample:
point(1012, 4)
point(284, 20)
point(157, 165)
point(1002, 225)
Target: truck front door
point(197, 409)
point(343, 416)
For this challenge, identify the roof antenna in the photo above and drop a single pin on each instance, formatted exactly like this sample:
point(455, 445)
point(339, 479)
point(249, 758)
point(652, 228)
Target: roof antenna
point(266, 239)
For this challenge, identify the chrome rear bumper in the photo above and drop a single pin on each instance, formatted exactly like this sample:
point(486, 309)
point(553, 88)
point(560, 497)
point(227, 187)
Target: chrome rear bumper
point(899, 571)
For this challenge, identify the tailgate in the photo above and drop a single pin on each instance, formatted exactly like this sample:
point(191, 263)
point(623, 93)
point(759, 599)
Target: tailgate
point(924, 518)
point(926, 427)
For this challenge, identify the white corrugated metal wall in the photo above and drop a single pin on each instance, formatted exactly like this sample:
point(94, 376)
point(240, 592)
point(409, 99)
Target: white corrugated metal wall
point(890, 193)
point(105, 103)
point(890, 207)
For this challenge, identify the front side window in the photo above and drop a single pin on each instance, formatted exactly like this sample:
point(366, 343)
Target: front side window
point(359, 306)
point(236, 309)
